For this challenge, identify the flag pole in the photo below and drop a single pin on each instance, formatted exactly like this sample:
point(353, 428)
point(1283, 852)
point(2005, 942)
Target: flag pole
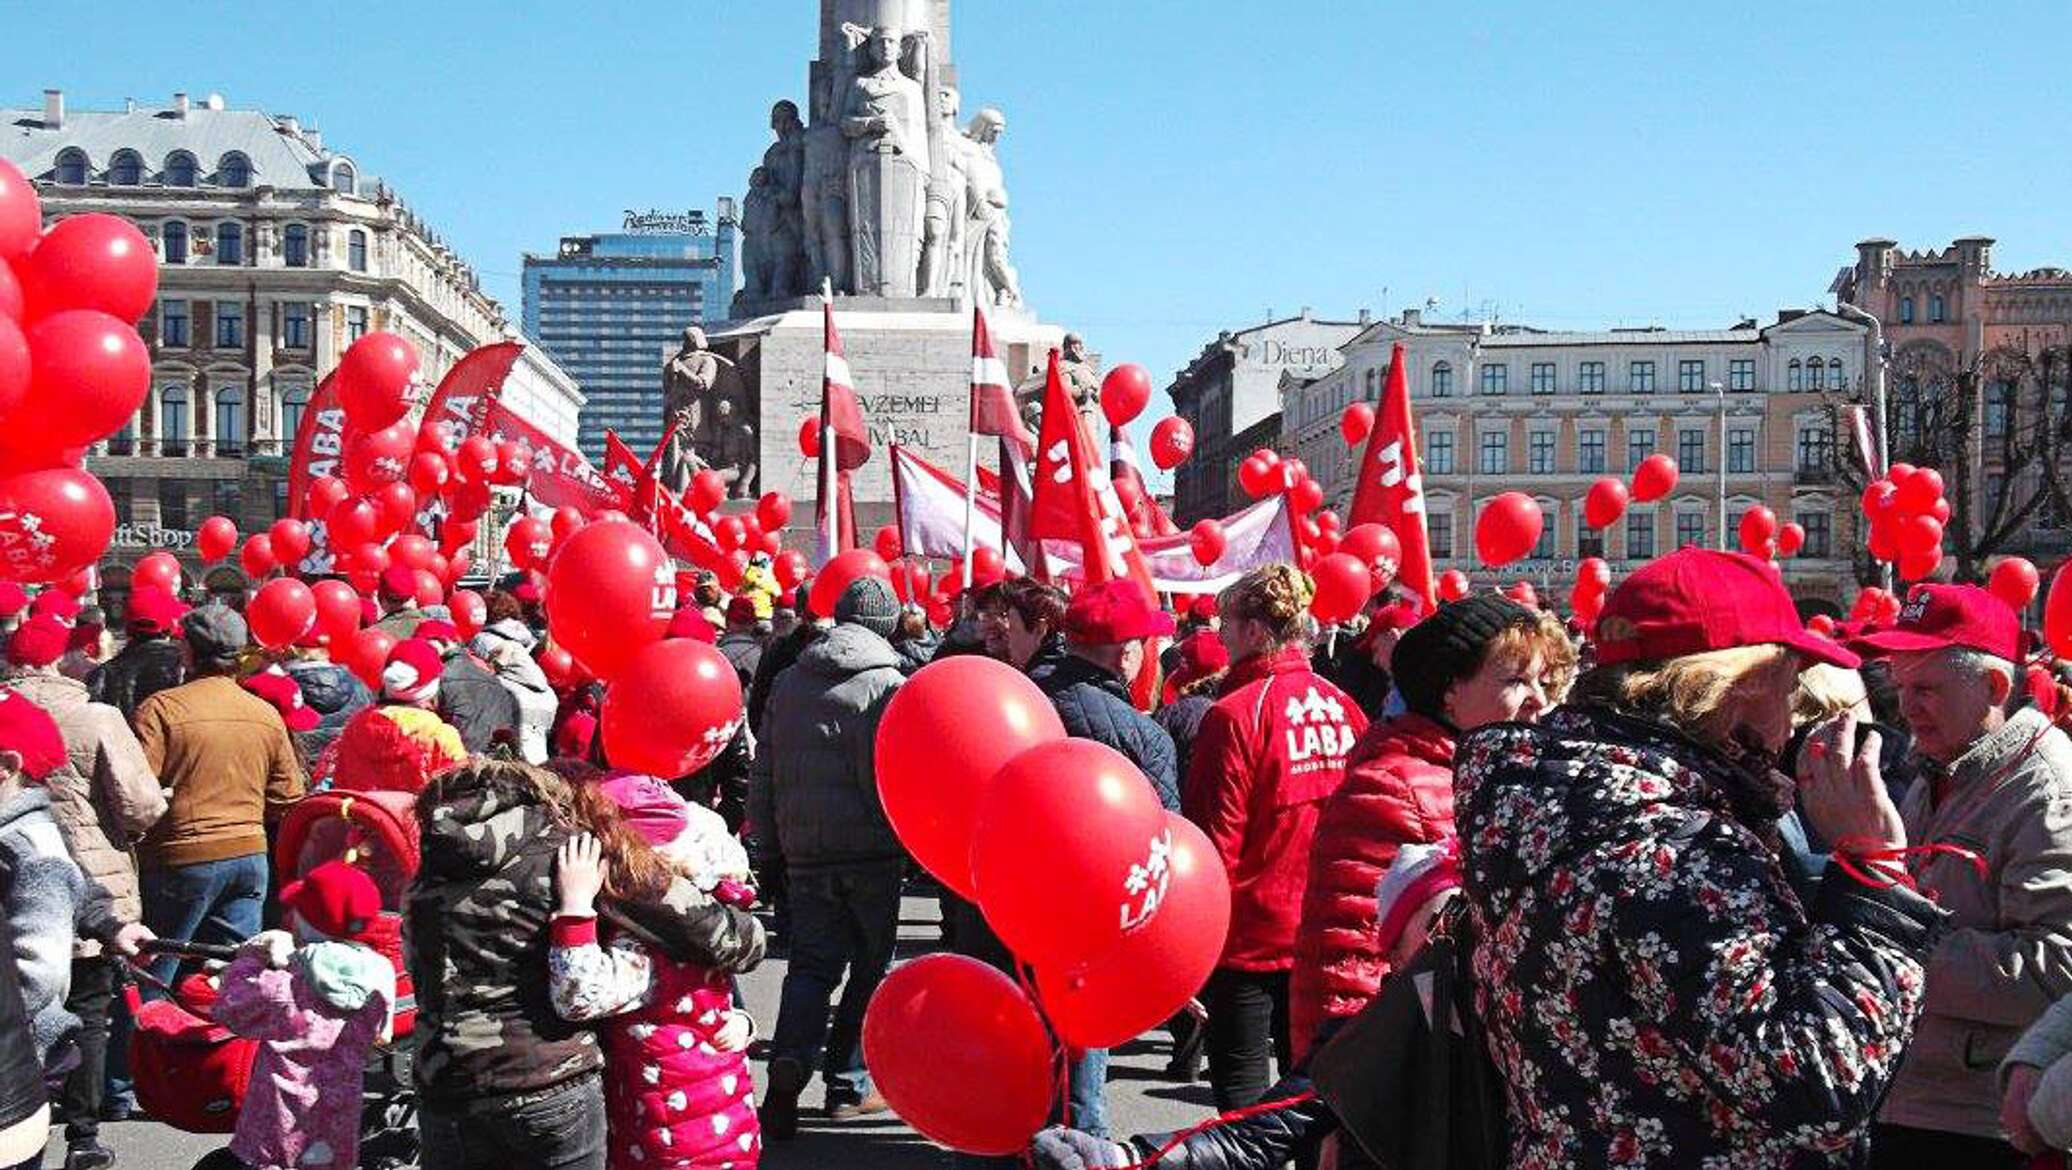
point(970, 502)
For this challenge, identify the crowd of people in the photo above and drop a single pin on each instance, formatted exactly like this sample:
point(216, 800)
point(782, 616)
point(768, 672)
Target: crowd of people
point(1729, 893)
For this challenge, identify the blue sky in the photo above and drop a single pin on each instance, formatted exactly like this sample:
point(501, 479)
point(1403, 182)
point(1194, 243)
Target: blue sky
point(1179, 166)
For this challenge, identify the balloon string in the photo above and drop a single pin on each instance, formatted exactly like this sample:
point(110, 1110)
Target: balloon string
point(1231, 1117)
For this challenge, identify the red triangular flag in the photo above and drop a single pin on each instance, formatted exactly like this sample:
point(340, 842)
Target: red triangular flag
point(1390, 491)
point(1073, 497)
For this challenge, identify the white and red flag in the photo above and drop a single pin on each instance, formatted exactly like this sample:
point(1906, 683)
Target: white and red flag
point(1073, 498)
point(1147, 517)
point(845, 445)
point(1390, 491)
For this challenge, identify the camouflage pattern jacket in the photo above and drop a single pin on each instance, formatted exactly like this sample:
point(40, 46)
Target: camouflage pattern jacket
point(477, 943)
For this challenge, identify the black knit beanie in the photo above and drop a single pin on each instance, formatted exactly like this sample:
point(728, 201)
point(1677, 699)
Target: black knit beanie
point(1448, 647)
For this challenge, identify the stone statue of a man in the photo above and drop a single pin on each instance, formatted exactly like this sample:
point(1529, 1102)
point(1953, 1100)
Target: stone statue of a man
point(730, 449)
point(687, 385)
point(942, 228)
point(884, 116)
point(824, 192)
point(993, 279)
point(785, 161)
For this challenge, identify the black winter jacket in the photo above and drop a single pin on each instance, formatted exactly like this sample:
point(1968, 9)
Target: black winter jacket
point(776, 658)
point(813, 792)
point(1181, 719)
point(745, 651)
point(335, 694)
point(475, 701)
point(1094, 704)
point(140, 670)
point(1352, 669)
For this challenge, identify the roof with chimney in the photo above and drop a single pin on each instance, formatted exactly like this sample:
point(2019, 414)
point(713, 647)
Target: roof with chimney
point(282, 154)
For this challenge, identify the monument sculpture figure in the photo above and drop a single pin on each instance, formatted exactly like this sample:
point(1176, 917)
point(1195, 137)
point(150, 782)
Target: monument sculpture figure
point(785, 161)
point(942, 228)
point(730, 448)
point(884, 116)
point(992, 279)
point(688, 382)
point(1082, 381)
point(824, 190)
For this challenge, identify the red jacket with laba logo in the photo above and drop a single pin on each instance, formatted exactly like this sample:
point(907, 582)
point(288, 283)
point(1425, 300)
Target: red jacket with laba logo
point(1269, 753)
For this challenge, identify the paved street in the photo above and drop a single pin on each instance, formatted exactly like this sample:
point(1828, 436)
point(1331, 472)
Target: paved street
point(1140, 1099)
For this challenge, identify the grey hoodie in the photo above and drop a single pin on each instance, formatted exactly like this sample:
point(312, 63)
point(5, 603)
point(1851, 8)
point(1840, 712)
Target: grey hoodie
point(813, 792)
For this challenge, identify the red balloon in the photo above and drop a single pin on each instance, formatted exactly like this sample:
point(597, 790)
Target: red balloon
point(1356, 423)
point(283, 610)
point(476, 461)
point(429, 588)
point(1791, 538)
point(773, 511)
point(1253, 476)
point(326, 492)
point(470, 612)
point(943, 737)
point(1921, 490)
point(12, 303)
point(2014, 581)
point(1523, 593)
point(1899, 473)
point(2043, 690)
point(374, 380)
point(257, 556)
point(15, 362)
point(1508, 528)
point(836, 575)
point(707, 490)
point(1884, 542)
point(1376, 547)
point(89, 372)
point(369, 557)
point(1593, 575)
point(430, 471)
point(373, 458)
point(21, 213)
point(456, 568)
point(412, 551)
point(671, 709)
point(1172, 441)
point(987, 565)
point(1207, 540)
point(1879, 498)
point(809, 436)
point(1343, 586)
point(887, 544)
point(610, 592)
point(1124, 393)
point(1453, 585)
point(729, 533)
point(1305, 496)
point(354, 523)
point(365, 653)
point(558, 665)
point(93, 261)
point(527, 543)
point(1916, 566)
point(397, 503)
point(1328, 521)
point(1758, 526)
point(455, 535)
point(791, 569)
point(215, 538)
point(337, 609)
point(1587, 604)
point(1149, 976)
point(565, 521)
point(1821, 624)
point(942, 1024)
point(1605, 503)
point(159, 569)
point(513, 462)
point(1654, 478)
point(1062, 897)
point(290, 540)
point(1918, 534)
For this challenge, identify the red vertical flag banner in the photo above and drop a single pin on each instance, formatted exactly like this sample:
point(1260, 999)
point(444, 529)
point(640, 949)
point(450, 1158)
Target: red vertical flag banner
point(319, 444)
point(1390, 491)
point(845, 445)
point(1073, 498)
point(461, 404)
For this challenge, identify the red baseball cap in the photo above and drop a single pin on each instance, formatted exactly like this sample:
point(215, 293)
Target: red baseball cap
point(1695, 600)
point(30, 732)
point(1936, 617)
point(436, 630)
point(153, 610)
point(1202, 654)
point(1112, 612)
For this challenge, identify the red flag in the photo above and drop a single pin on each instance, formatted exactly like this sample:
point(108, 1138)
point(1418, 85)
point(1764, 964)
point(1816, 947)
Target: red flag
point(319, 443)
point(992, 394)
point(635, 484)
point(1147, 517)
point(461, 404)
point(1073, 497)
point(560, 475)
point(1390, 491)
point(845, 444)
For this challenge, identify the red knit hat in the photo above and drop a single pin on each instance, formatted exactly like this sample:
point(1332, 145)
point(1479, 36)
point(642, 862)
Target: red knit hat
point(28, 731)
point(690, 623)
point(411, 674)
point(39, 641)
point(1202, 654)
point(13, 599)
point(437, 630)
point(56, 603)
point(280, 691)
point(336, 900)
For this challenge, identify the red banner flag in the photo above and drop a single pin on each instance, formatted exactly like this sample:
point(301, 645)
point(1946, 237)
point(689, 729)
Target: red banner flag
point(319, 443)
point(1390, 491)
point(461, 403)
point(1073, 497)
point(634, 482)
point(845, 444)
point(560, 476)
point(992, 391)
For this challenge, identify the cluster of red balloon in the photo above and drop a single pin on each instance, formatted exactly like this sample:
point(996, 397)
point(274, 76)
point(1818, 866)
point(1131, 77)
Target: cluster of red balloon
point(1907, 511)
point(73, 370)
point(1593, 581)
point(1875, 606)
point(1350, 570)
point(910, 578)
point(1119, 907)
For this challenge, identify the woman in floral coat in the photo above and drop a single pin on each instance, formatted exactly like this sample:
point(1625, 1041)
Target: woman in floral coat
point(1654, 994)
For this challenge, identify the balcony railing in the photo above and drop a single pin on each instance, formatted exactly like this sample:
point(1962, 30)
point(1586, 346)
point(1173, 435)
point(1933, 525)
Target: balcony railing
point(1813, 475)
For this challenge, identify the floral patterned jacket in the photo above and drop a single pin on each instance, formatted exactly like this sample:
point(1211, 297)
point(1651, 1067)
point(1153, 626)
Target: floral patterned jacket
point(1654, 994)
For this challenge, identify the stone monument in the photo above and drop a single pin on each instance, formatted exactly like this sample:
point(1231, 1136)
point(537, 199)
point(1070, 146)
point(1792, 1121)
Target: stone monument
point(882, 197)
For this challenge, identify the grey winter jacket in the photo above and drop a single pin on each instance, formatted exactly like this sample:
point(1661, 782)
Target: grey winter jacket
point(813, 794)
point(529, 689)
point(48, 903)
point(335, 694)
point(743, 648)
point(471, 698)
point(2046, 1045)
point(1094, 704)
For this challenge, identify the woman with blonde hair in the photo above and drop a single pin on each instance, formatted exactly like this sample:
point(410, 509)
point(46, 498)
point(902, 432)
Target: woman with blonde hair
point(1269, 753)
point(1652, 992)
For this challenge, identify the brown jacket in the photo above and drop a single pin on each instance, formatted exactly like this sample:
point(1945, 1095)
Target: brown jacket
point(108, 798)
point(226, 760)
point(2008, 955)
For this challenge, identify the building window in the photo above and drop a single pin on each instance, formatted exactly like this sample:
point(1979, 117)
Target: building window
point(344, 179)
point(356, 250)
point(179, 169)
point(1590, 451)
point(1639, 445)
point(1373, 385)
point(172, 421)
point(1690, 450)
point(1543, 377)
point(295, 245)
point(1906, 310)
point(1999, 398)
point(1439, 528)
point(1836, 379)
point(294, 400)
point(1589, 541)
point(1442, 380)
point(1690, 530)
point(173, 324)
point(1496, 378)
point(230, 243)
point(1819, 528)
point(230, 325)
point(280, 498)
point(355, 323)
point(230, 499)
point(1543, 548)
point(1816, 448)
point(1640, 535)
point(230, 424)
point(1935, 309)
point(1795, 375)
point(234, 170)
point(1590, 377)
point(1539, 452)
point(1741, 451)
point(71, 168)
point(1741, 374)
point(295, 330)
point(175, 236)
point(1640, 377)
point(1690, 376)
point(126, 169)
point(1439, 453)
point(172, 503)
point(1496, 453)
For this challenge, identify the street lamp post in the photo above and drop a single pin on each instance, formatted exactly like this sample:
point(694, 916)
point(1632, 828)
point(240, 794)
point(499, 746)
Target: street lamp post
point(1719, 390)
point(1874, 369)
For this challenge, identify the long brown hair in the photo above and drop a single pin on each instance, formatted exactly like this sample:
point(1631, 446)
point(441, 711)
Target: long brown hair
point(633, 871)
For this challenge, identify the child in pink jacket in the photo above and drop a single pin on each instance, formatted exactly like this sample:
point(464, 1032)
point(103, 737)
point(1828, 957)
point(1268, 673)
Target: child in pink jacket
point(317, 1010)
point(677, 1087)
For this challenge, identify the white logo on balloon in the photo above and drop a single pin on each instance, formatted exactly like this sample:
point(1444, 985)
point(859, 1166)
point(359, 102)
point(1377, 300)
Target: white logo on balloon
point(1147, 883)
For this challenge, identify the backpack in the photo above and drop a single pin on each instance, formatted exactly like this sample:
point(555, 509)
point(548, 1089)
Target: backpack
point(1416, 1096)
